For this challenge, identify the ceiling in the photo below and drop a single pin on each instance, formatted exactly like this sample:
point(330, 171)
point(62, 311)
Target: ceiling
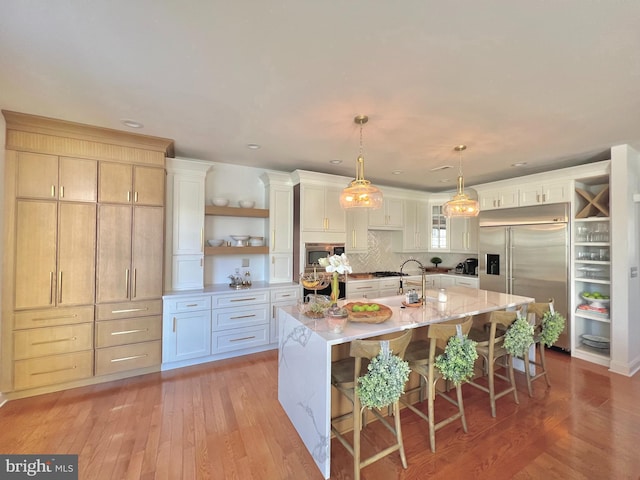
point(552, 84)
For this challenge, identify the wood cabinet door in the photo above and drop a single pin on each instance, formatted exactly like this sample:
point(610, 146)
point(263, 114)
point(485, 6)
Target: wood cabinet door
point(113, 275)
point(148, 252)
point(148, 186)
point(37, 175)
point(78, 179)
point(76, 254)
point(35, 267)
point(115, 181)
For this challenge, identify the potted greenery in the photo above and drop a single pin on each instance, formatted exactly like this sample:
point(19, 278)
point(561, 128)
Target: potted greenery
point(384, 381)
point(519, 337)
point(436, 261)
point(457, 361)
point(552, 327)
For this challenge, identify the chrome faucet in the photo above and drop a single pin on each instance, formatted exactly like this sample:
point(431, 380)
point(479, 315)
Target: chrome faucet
point(424, 278)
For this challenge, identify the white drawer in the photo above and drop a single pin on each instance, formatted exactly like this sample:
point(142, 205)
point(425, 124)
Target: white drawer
point(280, 294)
point(245, 297)
point(226, 318)
point(390, 283)
point(186, 304)
point(467, 282)
point(240, 338)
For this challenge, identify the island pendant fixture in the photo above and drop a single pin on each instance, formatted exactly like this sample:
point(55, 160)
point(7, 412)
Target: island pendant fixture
point(461, 205)
point(360, 193)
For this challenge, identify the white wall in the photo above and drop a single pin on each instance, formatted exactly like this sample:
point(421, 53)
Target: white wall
point(625, 254)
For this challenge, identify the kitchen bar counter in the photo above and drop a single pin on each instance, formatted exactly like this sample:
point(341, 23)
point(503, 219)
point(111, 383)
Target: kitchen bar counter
point(305, 348)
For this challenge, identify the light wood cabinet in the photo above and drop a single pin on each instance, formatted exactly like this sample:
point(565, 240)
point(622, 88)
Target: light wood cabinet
point(125, 183)
point(55, 254)
point(56, 178)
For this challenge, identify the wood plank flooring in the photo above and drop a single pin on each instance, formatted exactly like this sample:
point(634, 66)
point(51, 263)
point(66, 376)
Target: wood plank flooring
point(223, 421)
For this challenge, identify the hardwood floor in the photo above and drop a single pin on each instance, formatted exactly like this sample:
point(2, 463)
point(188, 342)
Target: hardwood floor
point(223, 420)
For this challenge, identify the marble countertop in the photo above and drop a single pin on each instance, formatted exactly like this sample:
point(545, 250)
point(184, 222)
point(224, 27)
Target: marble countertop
point(461, 301)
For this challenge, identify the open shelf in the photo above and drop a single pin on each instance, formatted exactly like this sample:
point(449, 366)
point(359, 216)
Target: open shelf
point(235, 250)
point(593, 204)
point(236, 212)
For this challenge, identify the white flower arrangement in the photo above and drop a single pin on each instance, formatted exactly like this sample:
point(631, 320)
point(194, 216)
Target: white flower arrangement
point(457, 361)
point(519, 337)
point(384, 382)
point(552, 327)
point(336, 264)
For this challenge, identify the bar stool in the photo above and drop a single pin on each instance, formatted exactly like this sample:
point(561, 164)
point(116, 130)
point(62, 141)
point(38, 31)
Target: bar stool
point(421, 356)
point(537, 310)
point(344, 377)
point(490, 348)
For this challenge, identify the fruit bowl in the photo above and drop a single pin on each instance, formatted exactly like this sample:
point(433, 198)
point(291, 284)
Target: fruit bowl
point(597, 302)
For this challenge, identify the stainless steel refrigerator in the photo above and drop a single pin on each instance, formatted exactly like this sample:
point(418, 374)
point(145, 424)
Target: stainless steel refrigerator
point(525, 251)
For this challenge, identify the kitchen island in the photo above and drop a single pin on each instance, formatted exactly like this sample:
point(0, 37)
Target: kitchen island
point(306, 345)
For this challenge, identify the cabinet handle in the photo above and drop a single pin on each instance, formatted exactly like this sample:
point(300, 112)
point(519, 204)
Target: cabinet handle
point(133, 357)
point(126, 282)
point(134, 283)
point(241, 339)
point(61, 191)
point(273, 240)
point(53, 190)
point(135, 197)
point(50, 288)
point(60, 286)
point(201, 262)
point(242, 316)
point(174, 324)
point(243, 299)
point(537, 197)
point(44, 319)
point(59, 340)
point(126, 332)
point(273, 311)
point(128, 196)
point(544, 197)
point(129, 310)
point(47, 372)
point(191, 305)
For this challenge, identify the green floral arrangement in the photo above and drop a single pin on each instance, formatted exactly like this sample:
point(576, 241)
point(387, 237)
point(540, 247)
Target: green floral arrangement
point(384, 381)
point(436, 261)
point(457, 361)
point(552, 327)
point(519, 337)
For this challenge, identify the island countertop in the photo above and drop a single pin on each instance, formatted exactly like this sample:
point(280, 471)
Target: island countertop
point(305, 354)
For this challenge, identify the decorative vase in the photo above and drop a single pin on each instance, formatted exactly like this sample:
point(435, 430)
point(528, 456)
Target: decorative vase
point(335, 288)
point(336, 316)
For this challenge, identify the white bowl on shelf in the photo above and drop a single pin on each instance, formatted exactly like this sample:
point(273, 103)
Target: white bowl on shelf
point(240, 240)
point(256, 241)
point(246, 203)
point(220, 202)
point(216, 242)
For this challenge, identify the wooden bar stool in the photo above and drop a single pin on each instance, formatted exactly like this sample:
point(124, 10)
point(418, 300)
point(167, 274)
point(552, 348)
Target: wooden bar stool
point(490, 348)
point(537, 310)
point(344, 377)
point(421, 356)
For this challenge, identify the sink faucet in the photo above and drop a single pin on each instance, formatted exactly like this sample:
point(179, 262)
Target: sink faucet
point(424, 278)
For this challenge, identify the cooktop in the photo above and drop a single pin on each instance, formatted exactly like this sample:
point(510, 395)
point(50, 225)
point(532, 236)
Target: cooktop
point(388, 274)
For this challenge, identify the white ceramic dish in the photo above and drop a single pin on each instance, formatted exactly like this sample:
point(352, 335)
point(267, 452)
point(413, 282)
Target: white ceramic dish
point(246, 203)
point(220, 202)
point(596, 302)
point(216, 242)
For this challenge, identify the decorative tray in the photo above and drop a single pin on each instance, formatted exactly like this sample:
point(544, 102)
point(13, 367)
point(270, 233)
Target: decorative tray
point(417, 304)
point(379, 316)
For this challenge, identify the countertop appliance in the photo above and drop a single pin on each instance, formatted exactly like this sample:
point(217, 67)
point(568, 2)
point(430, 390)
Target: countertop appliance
point(469, 266)
point(525, 251)
point(316, 251)
point(389, 274)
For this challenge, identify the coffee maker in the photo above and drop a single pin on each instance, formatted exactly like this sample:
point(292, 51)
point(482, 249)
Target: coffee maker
point(469, 266)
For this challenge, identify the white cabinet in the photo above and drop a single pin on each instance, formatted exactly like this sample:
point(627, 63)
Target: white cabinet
point(447, 281)
point(362, 288)
point(389, 217)
point(357, 228)
point(537, 194)
point(281, 297)
point(439, 225)
point(186, 328)
point(388, 287)
point(185, 222)
point(279, 196)
point(504, 197)
point(463, 234)
point(415, 233)
point(470, 282)
point(320, 209)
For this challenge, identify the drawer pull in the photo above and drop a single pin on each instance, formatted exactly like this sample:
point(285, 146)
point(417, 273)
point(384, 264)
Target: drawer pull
point(286, 295)
point(242, 316)
point(44, 319)
point(243, 299)
point(123, 359)
point(192, 305)
point(54, 371)
point(364, 288)
point(126, 332)
point(72, 339)
point(129, 310)
point(241, 339)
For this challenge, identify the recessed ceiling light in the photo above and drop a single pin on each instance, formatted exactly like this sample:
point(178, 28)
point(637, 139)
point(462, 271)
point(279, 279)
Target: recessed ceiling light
point(519, 164)
point(396, 172)
point(253, 146)
point(335, 162)
point(132, 123)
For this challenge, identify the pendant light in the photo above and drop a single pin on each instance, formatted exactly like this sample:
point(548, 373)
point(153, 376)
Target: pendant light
point(461, 205)
point(360, 193)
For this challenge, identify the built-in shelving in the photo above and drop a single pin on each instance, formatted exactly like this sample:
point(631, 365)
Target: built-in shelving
point(235, 250)
point(212, 211)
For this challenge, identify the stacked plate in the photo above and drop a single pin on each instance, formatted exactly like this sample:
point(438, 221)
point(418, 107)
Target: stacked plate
point(595, 341)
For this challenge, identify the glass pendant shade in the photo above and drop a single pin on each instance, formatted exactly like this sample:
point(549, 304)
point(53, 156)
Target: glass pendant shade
point(461, 205)
point(360, 193)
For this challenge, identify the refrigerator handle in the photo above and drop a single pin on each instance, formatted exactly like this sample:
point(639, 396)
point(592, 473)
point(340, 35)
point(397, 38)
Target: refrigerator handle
point(509, 241)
